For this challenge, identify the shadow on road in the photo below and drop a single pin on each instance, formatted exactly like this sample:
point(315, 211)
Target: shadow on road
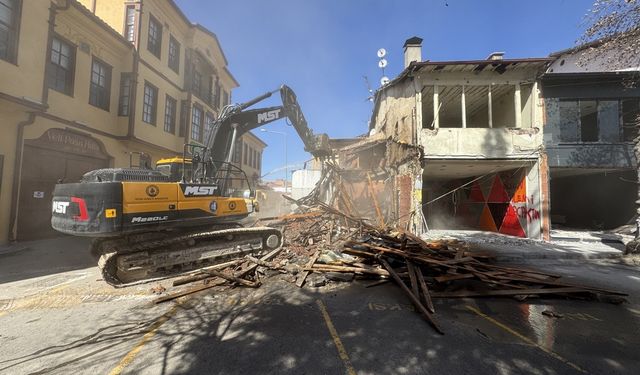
point(46, 257)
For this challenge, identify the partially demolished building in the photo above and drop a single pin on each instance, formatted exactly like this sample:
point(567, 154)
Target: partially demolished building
point(479, 127)
point(502, 145)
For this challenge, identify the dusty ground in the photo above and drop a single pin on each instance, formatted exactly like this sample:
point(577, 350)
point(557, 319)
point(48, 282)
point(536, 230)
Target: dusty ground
point(56, 316)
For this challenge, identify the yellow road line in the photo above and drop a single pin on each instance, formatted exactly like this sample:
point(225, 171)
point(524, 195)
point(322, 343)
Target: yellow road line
point(336, 339)
point(131, 355)
point(524, 338)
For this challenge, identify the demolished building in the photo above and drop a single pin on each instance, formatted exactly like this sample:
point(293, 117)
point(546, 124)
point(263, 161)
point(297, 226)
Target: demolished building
point(478, 125)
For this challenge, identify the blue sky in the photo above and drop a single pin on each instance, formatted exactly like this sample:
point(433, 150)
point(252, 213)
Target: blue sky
point(322, 49)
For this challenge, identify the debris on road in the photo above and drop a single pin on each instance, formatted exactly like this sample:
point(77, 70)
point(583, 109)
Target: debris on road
point(326, 242)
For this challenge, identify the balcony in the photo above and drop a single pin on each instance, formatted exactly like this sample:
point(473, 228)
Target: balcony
point(481, 142)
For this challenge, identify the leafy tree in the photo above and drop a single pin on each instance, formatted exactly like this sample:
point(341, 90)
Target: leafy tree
point(613, 38)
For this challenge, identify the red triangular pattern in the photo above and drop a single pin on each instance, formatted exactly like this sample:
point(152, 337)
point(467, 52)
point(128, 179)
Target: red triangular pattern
point(486, 220)
point(476, 193)
point(520, 196)
point(498, 194)
point(511, 224)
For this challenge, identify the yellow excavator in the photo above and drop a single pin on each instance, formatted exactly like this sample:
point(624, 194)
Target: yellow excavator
point(185, 214)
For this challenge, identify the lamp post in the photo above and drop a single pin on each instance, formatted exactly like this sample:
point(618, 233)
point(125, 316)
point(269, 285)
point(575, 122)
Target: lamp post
point(286, 163)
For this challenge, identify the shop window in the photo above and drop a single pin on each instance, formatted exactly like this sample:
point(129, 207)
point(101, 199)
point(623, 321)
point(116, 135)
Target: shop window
point(630, 118)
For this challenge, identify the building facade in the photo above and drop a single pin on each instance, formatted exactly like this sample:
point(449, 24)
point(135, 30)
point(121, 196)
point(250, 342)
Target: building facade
point(479, 126)
point(248, 157)
point(591, 112)
point(96, 83)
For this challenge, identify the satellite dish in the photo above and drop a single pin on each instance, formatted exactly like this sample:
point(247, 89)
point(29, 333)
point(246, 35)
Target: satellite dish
point(384, 80)
point(382, 63)
point(382, 52)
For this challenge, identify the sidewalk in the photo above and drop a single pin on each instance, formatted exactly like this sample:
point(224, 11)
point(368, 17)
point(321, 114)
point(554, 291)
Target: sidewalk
point(514, 249)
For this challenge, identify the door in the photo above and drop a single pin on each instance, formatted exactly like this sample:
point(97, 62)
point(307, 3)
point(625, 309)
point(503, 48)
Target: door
point(41, 170)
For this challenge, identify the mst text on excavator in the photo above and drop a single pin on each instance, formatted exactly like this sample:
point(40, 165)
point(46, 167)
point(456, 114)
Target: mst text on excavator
point(185, 214)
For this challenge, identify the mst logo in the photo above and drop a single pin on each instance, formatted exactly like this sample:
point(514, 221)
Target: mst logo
point(60, 207)
point(198, 191)
point(269, 116)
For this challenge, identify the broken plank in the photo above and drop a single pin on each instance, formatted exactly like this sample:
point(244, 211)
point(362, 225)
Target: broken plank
point(237, 280)
point(411, 269)
point(425, 313)
point(303, 276)
point(201, 275)
point(197, 289)
point(332, 268)
point(425, 290)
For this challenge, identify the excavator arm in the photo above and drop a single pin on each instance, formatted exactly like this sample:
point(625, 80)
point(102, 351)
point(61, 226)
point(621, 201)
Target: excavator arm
point(236, 120)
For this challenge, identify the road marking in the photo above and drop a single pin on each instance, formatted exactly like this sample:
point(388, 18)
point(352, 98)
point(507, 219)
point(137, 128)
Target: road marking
point(131, 355)
point(336, 339)
point(524, 338)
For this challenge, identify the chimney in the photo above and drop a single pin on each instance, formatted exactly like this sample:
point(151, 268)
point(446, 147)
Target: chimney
point(412, 50)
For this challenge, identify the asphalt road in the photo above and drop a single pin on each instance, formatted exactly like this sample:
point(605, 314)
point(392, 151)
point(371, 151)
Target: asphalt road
point(68, 321)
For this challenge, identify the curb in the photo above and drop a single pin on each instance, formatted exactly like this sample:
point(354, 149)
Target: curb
point(520, 257)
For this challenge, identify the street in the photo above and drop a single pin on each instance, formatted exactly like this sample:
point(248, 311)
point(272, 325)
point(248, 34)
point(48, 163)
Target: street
point(69, 321)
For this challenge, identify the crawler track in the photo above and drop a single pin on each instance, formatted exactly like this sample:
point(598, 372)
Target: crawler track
point(152, 256)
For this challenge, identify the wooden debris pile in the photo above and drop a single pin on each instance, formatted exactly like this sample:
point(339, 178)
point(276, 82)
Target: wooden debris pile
point(426, 270)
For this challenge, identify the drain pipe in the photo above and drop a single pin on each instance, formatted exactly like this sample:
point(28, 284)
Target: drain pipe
point(13, 231)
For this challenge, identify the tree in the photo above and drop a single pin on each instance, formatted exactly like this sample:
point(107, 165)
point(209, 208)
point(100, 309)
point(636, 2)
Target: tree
point(612, 35)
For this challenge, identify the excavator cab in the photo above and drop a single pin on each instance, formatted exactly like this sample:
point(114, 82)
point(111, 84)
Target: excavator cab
point(173, 168)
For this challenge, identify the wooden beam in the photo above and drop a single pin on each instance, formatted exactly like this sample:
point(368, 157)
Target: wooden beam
point(425, 313)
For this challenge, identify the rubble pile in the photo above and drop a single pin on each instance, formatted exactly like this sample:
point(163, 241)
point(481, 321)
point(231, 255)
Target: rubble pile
point(327, 238)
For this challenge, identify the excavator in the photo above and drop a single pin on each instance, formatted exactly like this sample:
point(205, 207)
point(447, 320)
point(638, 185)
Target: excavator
point(150, 224)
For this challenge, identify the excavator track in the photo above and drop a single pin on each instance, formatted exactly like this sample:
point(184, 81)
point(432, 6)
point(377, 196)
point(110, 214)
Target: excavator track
point(154, 256)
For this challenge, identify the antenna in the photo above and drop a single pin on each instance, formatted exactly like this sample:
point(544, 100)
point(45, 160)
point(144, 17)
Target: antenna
point(366, 81)
point(382, 63)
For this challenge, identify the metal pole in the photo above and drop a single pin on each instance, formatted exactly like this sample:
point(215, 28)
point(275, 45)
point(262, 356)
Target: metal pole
point(286, 163)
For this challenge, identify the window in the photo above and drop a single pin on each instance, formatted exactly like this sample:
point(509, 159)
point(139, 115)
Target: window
point(9, 26)
point(100, 89)
point(170, 109)
point(589, 120)
point(217, 95)
point(630, 118)
point(149, 103)
point(154, 43)
point(61, 66)
point(130, 23)
point(196, 124)
point(197, 82)
point(208, 124)
point(184, 117)
point(245, 152)
point(225, 98)
point(260, 160)
point(174, 54)
point(125, 93)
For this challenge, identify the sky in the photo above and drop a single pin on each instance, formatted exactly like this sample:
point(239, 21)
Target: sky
point(324, 50)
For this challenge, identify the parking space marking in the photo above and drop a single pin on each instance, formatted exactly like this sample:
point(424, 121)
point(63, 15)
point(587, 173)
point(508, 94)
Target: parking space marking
point(336, 339)
point(524, 338)
point(133, 353)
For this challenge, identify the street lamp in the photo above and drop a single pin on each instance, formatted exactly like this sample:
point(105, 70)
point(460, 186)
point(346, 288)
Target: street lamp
point(286, 164)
